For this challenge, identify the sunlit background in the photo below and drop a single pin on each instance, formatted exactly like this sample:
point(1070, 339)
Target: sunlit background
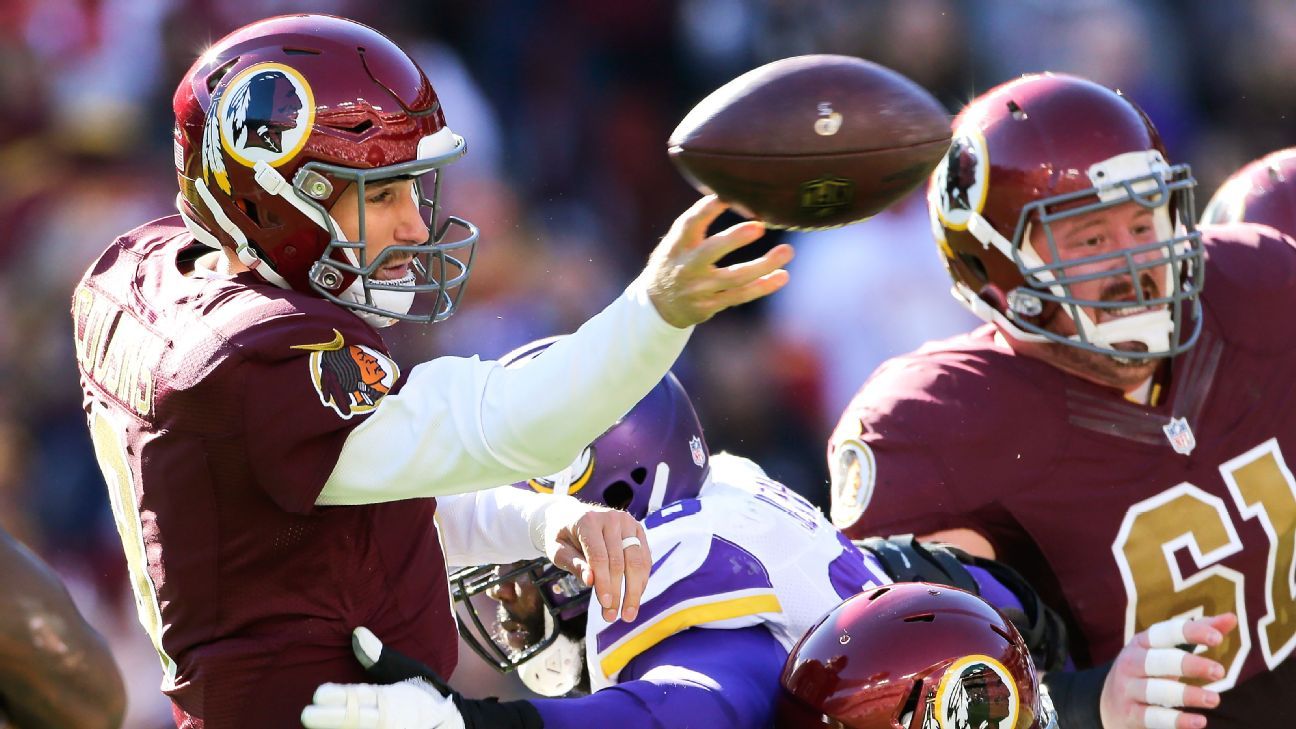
point(566, 105)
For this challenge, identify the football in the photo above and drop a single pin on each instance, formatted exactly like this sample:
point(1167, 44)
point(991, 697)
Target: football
point(812, 142)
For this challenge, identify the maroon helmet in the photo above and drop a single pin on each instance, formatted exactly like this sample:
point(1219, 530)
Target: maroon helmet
point(1044, 148)
point(272, 124)
point(912, 656)
point(1262, 192)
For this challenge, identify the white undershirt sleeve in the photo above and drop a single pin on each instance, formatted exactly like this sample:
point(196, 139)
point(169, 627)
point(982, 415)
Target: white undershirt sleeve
point(500, 525)
point(461, 424)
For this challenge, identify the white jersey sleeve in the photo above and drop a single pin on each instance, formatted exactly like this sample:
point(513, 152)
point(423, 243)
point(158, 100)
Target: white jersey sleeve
point(748, 551)
point(461, 424)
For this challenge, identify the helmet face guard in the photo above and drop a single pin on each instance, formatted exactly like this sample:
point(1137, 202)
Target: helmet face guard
point(440, 266)
point(1177, 254)
point(562, 597)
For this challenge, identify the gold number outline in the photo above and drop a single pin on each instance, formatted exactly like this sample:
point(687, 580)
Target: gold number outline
point(1207, 564)
point(1256, 509)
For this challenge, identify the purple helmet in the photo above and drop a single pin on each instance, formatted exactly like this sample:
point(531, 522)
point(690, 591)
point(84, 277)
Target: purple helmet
point(652, 456)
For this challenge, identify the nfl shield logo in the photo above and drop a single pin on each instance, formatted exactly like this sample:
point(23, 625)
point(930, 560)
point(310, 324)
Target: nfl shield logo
point(1180, 435)
point(826, 195)
point(695, 447)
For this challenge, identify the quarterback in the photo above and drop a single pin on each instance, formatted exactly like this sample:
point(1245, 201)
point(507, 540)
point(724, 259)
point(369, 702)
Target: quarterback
point(270, 466)
point(1119, 429)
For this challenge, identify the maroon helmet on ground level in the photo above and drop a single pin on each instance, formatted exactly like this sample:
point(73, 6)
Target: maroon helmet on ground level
point(1263, 191)
point(912, 656)
point(273, 123)
point(1044, 148)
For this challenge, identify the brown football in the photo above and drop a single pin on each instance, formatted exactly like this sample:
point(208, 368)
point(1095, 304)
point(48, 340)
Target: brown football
point(812, 142)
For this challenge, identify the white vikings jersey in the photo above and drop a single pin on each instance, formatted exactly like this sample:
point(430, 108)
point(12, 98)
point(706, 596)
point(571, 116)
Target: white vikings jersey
point(748, 551)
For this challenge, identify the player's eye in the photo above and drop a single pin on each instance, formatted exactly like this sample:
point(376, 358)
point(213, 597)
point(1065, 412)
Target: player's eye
point(381, 196)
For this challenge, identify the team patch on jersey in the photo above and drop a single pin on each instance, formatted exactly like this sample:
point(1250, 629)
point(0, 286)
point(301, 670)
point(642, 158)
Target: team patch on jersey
point(976, 692)
point(350, 378)
point(854, 472)
point(265, 114)
point(959, 184)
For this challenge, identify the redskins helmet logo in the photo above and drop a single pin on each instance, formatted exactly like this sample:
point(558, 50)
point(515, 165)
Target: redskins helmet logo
point(976, 692)
point(350, 378)
point(265, 114)
point(959, 182)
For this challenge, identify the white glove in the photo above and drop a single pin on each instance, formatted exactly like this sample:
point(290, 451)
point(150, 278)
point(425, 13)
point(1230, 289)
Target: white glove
point(412, 704)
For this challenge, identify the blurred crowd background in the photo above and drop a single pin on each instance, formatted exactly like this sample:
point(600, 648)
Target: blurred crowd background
point(566, 106)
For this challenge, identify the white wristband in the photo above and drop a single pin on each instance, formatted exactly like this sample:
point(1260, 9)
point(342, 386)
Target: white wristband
point(564, 511)
point(1159, 717)
point(1164, 662)
point(1163, 692)
point(1168, 633)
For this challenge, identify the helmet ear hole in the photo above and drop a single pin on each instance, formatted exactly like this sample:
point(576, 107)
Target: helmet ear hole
point(975, 267)
point(215, 77)
point(639, 475)
point(618, 495)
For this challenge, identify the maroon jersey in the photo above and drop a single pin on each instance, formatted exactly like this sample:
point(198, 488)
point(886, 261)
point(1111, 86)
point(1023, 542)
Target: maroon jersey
point(218, 407)
point(1083, 491)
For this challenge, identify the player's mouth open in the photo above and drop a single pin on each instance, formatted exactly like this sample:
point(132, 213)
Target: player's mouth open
point(396, 270)
point(516, 634)
point(1127, 296)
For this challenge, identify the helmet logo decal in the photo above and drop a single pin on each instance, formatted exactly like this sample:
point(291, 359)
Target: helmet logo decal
point(976, 692)
point(265, 114)
point(696, 450)
point(351, 379)
point(854, 472)
point(959, 183)
point(569, 480)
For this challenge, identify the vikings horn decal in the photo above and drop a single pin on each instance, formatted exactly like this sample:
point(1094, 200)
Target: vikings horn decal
point(976, 692)
point(569, 480)
point(265, 114)
point(350, 378)
point(959, 183)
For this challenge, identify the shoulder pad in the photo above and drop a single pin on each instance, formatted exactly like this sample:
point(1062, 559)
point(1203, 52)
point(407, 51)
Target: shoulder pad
point(907, 560)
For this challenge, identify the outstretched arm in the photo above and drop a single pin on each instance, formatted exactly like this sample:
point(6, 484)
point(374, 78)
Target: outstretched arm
point(55, 670)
